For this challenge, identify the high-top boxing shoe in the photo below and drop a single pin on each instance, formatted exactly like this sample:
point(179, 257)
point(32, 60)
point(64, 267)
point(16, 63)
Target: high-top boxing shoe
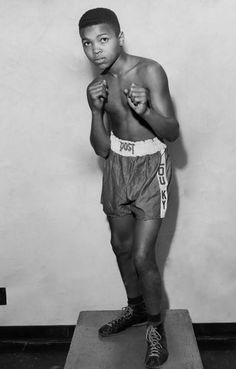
point(131, 315)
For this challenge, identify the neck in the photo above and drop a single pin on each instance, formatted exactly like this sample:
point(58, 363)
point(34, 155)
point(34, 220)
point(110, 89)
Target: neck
point(120, 66)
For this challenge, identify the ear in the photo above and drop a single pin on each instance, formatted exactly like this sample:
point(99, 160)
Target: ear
point(121, 38)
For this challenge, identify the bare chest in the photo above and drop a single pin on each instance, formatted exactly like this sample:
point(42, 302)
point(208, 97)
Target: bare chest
point(117, 99)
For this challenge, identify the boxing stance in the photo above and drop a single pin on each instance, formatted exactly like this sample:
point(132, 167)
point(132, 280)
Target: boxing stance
point(132, 118)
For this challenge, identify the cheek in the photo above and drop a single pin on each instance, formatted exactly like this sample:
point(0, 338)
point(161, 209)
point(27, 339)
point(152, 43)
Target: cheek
point(115, 49)
point(88, 53)
point(110, 51)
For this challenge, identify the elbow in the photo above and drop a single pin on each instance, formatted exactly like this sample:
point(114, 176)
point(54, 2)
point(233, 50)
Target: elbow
point(102, 153)
point(101, 150)
point(174, 132)
point(174, 136)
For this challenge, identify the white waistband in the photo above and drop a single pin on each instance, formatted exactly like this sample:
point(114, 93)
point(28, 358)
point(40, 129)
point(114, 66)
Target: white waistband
point(136, 148)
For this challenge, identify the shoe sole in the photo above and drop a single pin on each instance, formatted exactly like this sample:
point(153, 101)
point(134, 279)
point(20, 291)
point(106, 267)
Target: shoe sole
point(157, 367)
point(138, 324)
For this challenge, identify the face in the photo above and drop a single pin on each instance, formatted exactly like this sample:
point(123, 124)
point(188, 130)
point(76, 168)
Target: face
point(101, 45)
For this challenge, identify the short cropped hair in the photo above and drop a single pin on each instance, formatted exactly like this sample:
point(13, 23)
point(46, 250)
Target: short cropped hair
point(98, 16)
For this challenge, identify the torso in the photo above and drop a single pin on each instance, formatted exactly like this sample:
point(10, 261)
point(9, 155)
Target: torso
point(124, 123)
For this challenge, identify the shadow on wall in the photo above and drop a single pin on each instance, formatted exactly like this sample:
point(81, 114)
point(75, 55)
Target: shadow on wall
point(179, 161)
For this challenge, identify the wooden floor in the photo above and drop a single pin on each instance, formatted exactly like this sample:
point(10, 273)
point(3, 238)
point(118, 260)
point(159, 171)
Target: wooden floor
point(127, 349)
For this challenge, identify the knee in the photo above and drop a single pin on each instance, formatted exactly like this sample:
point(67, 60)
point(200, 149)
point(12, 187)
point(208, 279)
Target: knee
point(120, 246)
point(144, 262)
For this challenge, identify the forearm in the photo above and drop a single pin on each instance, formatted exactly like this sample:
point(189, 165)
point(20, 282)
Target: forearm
point(164, 127)
point(99, 137)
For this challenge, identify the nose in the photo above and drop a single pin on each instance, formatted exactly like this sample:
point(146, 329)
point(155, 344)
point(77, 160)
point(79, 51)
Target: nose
point(96, 49)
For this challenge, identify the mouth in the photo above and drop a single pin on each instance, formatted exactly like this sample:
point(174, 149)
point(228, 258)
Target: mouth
point(99, 61)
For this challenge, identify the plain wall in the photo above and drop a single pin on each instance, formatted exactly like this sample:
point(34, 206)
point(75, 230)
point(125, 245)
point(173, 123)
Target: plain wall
point(55, 255)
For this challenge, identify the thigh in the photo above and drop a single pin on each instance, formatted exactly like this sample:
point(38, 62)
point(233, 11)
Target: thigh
point(145, 236)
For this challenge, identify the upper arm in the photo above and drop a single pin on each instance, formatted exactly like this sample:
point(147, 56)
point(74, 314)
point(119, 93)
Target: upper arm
point(158, 87)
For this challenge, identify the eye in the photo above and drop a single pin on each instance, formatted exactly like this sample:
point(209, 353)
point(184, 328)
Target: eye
point(104, 40)
point(86, 43)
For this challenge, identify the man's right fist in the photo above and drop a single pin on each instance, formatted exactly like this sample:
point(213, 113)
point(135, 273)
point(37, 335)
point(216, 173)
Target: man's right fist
point(97, 94)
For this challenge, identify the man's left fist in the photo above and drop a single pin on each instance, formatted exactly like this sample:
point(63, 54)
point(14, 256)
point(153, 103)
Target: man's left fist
point(137, 98)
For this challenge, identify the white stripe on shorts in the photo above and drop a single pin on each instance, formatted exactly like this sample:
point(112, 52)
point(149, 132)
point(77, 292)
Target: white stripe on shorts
point(163, 183)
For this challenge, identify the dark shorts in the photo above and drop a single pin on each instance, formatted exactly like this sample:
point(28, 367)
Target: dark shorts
point(134, 184)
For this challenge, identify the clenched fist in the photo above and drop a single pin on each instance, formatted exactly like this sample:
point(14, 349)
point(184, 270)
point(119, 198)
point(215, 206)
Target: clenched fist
point(97, 94)
point(137, 98)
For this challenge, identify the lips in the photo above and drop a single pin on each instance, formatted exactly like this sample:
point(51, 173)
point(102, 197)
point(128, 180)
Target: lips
point(99, 60)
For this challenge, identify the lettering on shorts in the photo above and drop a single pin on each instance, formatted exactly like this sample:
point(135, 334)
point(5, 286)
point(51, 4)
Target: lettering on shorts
point(164, 198)
point(161, 173)
point(127, 146)
point(163, 186)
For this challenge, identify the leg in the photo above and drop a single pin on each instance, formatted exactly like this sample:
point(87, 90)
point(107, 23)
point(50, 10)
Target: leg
point(122, 243)
point(145, 235)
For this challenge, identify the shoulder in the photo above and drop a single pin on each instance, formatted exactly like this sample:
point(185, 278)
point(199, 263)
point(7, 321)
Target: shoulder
point(152, 74)
point(148, 67)
point(152, 70)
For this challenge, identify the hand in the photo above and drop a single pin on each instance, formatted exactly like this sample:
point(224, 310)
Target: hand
point(97, 94)
point(137, 98)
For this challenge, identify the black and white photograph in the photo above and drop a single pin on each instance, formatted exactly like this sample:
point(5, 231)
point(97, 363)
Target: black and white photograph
point(118, 177)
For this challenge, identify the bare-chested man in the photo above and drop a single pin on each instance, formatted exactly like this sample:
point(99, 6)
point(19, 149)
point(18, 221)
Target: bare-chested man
point(132, 117)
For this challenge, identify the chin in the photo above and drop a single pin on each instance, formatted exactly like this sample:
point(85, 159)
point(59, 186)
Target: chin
point(101, 67)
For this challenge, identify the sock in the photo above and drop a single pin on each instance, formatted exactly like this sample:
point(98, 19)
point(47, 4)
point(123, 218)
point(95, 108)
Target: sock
point(135, 300)
point(154, 320)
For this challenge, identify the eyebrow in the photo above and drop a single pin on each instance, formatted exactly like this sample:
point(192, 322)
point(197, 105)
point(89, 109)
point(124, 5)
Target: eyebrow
point(101, 34)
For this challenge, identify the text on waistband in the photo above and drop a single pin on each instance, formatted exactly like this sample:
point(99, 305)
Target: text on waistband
point(127, 146)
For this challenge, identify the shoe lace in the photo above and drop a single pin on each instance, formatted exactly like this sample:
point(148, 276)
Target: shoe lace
point(154, 338)
point(126, 313)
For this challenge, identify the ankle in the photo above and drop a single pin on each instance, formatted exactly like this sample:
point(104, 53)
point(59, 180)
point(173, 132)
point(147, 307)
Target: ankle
point(154, 319)
point(135, 301)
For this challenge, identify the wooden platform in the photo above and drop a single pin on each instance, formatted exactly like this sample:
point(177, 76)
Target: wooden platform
point(127, 349)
